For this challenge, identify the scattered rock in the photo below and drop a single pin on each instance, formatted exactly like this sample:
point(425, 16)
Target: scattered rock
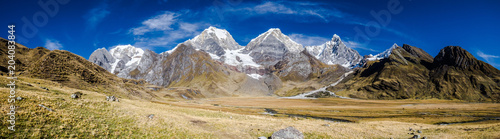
point(262, 137)
point(410, 129)
point(416, 137)
point(198, 122)
point(418, 131)
point(270, 111)
point(49, 109)
point(19, 98)
point(151, 116)
point(29, 84)
point(112, 98)
point(288, 133)
point(76, 95)
point(424, 137)
point(44, 88)
point(327, 125)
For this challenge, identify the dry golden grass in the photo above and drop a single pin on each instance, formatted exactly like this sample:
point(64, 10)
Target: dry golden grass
point(233, 117)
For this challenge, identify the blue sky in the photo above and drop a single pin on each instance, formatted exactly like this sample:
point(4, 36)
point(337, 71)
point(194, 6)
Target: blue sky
point(83, 26)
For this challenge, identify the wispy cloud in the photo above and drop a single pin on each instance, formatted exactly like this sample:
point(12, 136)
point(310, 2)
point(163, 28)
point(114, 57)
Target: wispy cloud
point(96, 15)
point(356, 45)
point(489, 58)
point(53, 44)
point(301, 11)
point(160, 22)
point(165, 29)
point(308, 40)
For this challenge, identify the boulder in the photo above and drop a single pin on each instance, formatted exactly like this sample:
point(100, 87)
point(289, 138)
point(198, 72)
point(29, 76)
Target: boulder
point(112, 98)
point(288, 133)
point(76, 95)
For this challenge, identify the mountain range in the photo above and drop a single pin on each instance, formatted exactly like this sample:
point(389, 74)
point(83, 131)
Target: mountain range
point(274, 64)
point(215, 65)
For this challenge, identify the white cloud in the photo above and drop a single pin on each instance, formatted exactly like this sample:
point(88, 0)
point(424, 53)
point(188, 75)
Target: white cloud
point(164, 30)
point(489, 58)
point(53, 44)
point(95, 16)
point(308, 40)
point(162, 22)
point(356, 45)
point(272, 7)
point(301, 11)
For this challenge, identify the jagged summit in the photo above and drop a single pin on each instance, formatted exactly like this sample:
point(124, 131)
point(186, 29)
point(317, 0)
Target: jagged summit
point(274, 36)
point(335, 52)
point(214, 41)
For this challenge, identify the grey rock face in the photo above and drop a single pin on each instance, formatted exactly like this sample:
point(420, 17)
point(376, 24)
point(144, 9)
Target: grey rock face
point(288, 133)
point(296, 63)
point(103, 58)
point(139, 70)
point(335, 52)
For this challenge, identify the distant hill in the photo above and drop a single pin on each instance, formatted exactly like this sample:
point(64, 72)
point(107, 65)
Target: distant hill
point(68, 69)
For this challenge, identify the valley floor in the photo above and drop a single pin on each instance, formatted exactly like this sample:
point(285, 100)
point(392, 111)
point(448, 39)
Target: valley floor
point(237, 117)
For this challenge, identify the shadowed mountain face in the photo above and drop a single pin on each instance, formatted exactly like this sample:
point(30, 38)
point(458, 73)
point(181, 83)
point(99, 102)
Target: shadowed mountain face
point(410, 72)
point(458, 74)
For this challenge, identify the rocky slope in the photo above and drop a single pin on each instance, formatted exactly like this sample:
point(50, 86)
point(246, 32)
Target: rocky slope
point(410, 72)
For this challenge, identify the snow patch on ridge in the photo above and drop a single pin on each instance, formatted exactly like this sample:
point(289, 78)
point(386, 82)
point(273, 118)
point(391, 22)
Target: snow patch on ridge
point(113, 66)
point(236, 57)
point(255, 76)
point(384, 54)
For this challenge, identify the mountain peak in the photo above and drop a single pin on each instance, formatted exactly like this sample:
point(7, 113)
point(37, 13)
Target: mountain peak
point(274, 36)
point(214, 40)
point(125, 50)
point(335, 52)
point(384, 54)
point(219, 33)
point(455, 56)
point(274, 30)
point(336, 38)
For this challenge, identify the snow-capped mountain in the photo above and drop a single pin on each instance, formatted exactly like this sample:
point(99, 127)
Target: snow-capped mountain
point(383, 54)
point(266, 50)
point(221, 46)
point(269, 47)
point(335, 52)
point(118, 58)
point(214, 41)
